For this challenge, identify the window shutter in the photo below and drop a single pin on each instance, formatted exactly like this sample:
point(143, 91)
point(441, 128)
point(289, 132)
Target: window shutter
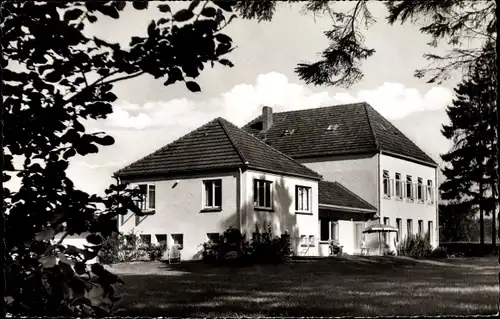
point(296, 198)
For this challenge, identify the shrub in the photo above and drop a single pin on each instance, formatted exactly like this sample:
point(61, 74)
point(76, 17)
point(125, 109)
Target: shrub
point(415, 246)
point(108, 254)
point(262, 248)
point(155, 251)
point(439, 252)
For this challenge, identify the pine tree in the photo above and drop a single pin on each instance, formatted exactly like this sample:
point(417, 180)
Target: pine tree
point(471, 173)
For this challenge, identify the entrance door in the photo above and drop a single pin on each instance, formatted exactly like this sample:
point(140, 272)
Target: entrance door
point(358, 236)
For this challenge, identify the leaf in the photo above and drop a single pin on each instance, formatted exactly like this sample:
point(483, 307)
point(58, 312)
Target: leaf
point(105, 140)
point(193, 4)
point(109, 11)
point(164, 7)
point(109, 97)
point(72, 14)
point(163, 20)
point(64, 259)
point(120, 5)
point(80, 267)
point(53, 77)
point(140, 5)
point(193, 86)
point(208, 12)
point(151, 28)
point(84, 149)
point(174, 75)
point(183, 15)
point(224, 5)
point(47, 233)
point(48, 261)
point(91, 18)
point(222, 38)
point(226, 62)
point(94, 239)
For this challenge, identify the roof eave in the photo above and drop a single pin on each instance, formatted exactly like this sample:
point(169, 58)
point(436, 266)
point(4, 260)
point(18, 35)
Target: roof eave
point(348, 209)
point(409, 158)
point(315, 177)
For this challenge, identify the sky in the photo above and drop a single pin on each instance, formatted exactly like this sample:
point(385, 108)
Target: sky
point(149, 115)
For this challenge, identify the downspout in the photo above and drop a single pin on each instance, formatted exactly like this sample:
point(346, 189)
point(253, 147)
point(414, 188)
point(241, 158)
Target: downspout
point(240, 189)
point(436, 207)
point(379, 213)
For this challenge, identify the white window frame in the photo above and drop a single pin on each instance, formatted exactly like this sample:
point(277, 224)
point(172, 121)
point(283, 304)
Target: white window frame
point(302, 192)
point(420, 228)
point(144, 203)
point(399, 186)
point(409, 181)
point(386, 179)
point(303, 241)
point(311, 241)
point(172, 236)
point(268, 191)
point(420, 186)
point(213, 183)
point(399, 226)
point(430, 192)
point(409, 227)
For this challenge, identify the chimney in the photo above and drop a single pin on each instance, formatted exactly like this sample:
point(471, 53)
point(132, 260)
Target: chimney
point(267, 118)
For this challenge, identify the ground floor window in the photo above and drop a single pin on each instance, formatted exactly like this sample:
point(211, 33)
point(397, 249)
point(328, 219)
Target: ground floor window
point(400, 229)
point(161, 238)
point(213, 237)
point(178, 239)
point(329, 230)
point(431, 233)
point(145, 239)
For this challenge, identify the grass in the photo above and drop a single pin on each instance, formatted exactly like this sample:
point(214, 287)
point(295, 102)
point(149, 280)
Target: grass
point(351, 286)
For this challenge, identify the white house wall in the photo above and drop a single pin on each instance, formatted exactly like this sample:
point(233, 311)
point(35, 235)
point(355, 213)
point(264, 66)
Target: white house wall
point(178, 211)
point(395, 208)
point(283, 217)
point(356, 172)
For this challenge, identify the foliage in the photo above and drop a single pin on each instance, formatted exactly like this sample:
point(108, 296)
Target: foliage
point(108, 254)
point(456, 22)
point(439, 252)
point(156, 251)
point(457, 222)
point(415, 246)
point(55, 77)
point(262, 248)
point(472, 162)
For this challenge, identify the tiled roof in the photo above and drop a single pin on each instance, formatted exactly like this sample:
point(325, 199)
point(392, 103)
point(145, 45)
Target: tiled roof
point(218, 144)
point(353, 128)
point(334, 193)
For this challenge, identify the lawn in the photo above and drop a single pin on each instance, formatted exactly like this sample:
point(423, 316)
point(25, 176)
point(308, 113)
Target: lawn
point(351, 286)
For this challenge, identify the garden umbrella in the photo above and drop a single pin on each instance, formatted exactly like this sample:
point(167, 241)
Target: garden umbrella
point(380, 228)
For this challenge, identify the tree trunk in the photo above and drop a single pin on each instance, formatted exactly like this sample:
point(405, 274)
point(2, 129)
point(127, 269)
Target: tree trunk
point(481, 216)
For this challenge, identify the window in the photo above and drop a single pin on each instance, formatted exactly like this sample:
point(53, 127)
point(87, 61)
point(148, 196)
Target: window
point(213, 237)
point(147, 199)
point(385, 235)
point(303, 241)
point(311, 241)
point(302, 198)
point(178, 239)
point(400, 229)
point(386, 184)
point(329, 230)
point(409, 227)
point(409, 188)
point(430, 193)
point(161, 239)
point(399, 186)
point(262, 194)
point(145, 239)
point(431, 231)
point(213, 194)
point(420, 228)
point(420, 189)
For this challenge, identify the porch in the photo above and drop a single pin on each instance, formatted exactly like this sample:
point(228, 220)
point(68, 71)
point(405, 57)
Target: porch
point(342, 217)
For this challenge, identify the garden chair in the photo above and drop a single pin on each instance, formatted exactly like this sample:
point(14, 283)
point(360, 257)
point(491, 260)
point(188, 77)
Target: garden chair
point(174, 255)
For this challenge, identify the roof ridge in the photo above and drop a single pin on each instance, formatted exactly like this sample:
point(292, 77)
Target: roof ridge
point(279, 152)
point(231, 139)
point(319, 108)
point(354, 194)
point(370, 124)
point(166, 146)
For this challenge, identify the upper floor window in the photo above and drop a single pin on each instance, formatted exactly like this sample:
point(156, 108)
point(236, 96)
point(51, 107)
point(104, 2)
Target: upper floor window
point(430, 191)
point(409, 187)
point(213, 194)
point(302, 198)
point(420, 189)
point(386, 183)
point(262, 194)
point(399, 186)
point(147, 199)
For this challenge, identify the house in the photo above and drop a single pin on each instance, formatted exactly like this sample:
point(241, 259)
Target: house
point(357, 147)
point(320, 174)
